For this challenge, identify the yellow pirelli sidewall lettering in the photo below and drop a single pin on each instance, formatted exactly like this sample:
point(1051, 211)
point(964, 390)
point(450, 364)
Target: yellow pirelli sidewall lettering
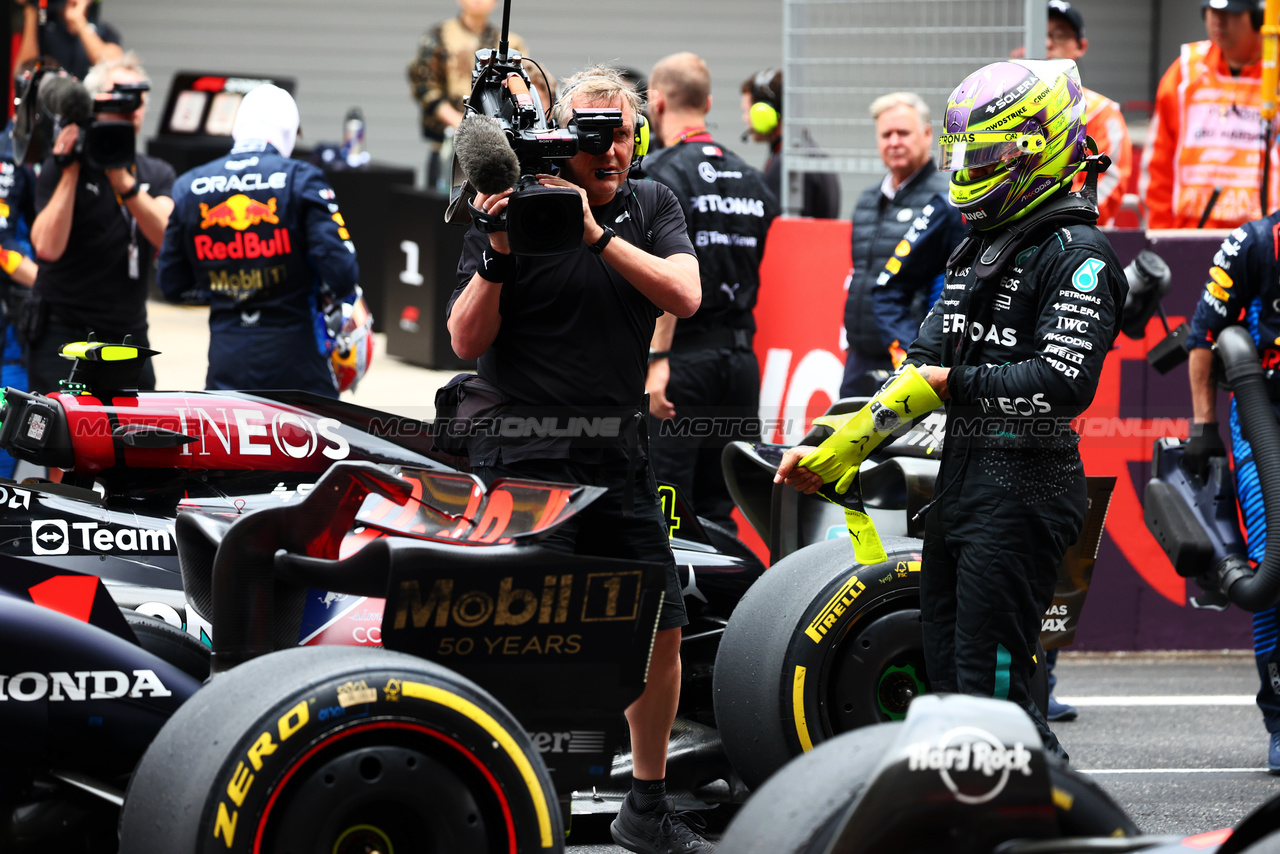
point(831, 612)
point(287, 725)
point(470, 710)
point(225, 825)
point(797, 709)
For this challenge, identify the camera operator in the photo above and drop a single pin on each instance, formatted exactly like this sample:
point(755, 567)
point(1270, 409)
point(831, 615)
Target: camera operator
point(568, 334)
point(74, 36)
point(94, 236)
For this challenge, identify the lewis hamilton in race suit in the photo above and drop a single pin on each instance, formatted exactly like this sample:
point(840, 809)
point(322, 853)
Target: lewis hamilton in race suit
point(260, 231)
point(702, 370)
point(1030, 306)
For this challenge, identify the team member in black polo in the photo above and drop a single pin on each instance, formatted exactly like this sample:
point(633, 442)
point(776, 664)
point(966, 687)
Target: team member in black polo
point(711, 376)
point(95, 235)
point(569, 334)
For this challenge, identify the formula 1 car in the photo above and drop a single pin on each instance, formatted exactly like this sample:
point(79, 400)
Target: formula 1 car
point(960, 774)
point(417, 557)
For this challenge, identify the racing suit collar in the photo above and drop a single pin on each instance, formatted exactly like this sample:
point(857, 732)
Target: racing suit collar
point(254, 145)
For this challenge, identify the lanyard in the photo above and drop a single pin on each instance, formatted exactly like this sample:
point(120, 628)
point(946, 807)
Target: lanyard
point(695, 135)
point(134, 271)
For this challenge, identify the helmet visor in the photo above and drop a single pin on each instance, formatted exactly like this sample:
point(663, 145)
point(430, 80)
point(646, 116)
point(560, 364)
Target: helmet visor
point(958, 151)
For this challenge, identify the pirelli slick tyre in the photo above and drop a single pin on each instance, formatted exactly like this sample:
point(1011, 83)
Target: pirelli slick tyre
point(818, 646)
point(170, 644)
point(341, 750)
point(798, 811)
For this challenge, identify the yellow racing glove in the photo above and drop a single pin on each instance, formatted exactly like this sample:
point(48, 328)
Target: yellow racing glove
point(904, 398)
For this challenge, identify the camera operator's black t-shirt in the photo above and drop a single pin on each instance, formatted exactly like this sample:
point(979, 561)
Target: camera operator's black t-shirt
point(574, 332)
point(90, 285)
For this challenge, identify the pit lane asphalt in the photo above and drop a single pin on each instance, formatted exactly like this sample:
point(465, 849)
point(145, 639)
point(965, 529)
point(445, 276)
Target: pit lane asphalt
point(1175, 738)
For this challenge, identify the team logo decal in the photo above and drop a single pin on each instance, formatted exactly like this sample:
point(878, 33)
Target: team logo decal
point(238, 212)
point(1085, 277)
point(49, 536)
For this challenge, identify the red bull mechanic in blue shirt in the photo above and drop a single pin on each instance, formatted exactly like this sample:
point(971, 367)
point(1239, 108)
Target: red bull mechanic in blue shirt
point(260, 233)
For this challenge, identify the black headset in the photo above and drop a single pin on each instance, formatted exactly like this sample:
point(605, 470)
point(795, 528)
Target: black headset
point(766, 104)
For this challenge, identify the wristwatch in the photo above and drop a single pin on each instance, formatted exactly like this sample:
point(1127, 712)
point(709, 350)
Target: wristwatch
point(599, 245)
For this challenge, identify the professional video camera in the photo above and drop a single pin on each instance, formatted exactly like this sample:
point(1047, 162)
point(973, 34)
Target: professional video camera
point(507, 139)
point(51, 101)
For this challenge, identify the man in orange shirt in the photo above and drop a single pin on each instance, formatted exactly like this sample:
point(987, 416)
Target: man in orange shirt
point(1103, 120)
point(1205, 132)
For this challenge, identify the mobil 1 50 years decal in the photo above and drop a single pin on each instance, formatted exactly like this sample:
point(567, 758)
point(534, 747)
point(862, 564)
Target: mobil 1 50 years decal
point(529, 612)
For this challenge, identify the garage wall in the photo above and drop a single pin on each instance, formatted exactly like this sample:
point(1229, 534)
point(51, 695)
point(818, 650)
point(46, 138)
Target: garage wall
point(1118, 63)
point(347, 53)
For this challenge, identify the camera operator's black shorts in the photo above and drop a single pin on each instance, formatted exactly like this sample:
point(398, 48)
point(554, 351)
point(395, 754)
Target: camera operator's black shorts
point(603, 528)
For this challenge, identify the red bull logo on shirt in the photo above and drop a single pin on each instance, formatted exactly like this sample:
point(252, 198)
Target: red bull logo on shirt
point(247, 245)
point(238, 212)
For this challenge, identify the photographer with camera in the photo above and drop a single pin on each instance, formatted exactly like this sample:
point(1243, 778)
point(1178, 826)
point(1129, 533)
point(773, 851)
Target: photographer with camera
point(96, 226)
point(568, 335)
point(261, 231)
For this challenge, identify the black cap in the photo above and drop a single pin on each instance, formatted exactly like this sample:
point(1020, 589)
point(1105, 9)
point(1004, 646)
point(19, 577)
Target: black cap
point(1230, 5)
point(1063, 9)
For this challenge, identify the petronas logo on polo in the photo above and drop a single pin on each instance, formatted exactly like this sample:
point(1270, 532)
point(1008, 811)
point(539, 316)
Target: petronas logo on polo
point(1085, 277)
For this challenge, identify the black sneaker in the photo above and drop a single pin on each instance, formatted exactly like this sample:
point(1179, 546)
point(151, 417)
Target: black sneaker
point(660, 831)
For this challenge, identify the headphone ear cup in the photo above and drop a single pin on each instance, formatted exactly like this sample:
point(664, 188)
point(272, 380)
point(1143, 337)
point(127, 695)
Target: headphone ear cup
point(764, 118)
point(641, 139)
point(1255, 17)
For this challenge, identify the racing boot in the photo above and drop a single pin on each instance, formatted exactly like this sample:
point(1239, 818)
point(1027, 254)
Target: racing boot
point(659, 831)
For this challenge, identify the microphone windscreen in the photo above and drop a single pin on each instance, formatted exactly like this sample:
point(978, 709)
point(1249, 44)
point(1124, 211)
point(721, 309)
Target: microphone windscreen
point(484, 155)
point(66, 98)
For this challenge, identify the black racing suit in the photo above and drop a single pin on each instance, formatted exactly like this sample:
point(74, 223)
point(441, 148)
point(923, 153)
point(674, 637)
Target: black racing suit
point(1025, 345)
point(715, 378)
